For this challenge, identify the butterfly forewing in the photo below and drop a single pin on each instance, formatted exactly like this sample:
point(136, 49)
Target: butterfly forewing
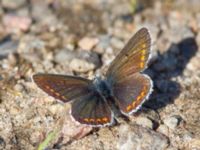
point(133, 57)
point(64, 88)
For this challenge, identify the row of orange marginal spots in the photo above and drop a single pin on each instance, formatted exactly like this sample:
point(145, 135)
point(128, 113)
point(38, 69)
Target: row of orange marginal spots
point(143, 92)
point(138, 100)
point(143, 56)
point(54, 92)
point(98, 120)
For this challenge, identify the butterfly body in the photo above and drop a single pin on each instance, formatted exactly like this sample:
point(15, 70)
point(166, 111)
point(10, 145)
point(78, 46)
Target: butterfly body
point(123, 86)
point(103, 87)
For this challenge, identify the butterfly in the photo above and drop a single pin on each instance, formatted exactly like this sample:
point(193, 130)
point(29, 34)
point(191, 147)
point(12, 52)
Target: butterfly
point(123, 85)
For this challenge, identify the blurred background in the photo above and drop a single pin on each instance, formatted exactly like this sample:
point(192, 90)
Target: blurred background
point(78, 37)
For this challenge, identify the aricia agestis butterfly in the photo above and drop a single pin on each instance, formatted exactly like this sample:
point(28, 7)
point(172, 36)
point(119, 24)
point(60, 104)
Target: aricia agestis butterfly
point(123, 84)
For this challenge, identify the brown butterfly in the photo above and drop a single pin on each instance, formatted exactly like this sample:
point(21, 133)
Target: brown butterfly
point(124, 85)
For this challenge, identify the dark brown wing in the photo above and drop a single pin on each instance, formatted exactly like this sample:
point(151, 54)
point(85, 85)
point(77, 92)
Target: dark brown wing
point(133, 57)
point(129, 87)
point(92, 110)
point(64, 88)
point(88, 107)
point(131, 92)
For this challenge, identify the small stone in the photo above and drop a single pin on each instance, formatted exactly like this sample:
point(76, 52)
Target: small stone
point(87, 43)
point(90, 57)
point(47, 64)
point(163, 129)
point(176, 34)
point(194, 144)
point(104, 42)
point(137, 137)
point(172, 122)
point(80, 65)
point(36, 137)
point(14, 110)
point(2, 143)
point(64, 55)
point(12, 4)
point(145, 122)
point(117, 43)
point(19, 87)
point(7, 47)
point(56, 108)
point(74, 129)
point(14, 23)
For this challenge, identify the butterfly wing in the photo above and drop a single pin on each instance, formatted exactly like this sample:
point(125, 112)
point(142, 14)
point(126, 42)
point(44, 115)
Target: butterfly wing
point(88, 107)
point(129, 87)
point(92, 110)
point(64, 88)
point(131, 92)
point(133, 57)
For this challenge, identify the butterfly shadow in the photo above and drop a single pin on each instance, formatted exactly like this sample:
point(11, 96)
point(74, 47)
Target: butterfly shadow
point(165, 69)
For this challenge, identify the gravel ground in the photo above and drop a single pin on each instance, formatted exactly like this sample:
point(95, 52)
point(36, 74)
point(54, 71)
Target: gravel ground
point(82, 38)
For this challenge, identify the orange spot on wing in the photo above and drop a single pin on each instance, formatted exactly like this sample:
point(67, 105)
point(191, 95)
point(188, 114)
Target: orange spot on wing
point(104, 119)
point(47, 87)
point(91, 120)
point(86, 120)
point(63, 97)
point(138, 98)
point(143, 52)
point(142, 94)
point(141, 65)
point(143, 45)
point(128, 108)
point(98, 120)
point(142, 58)
point(133, 104)
point(57, 94)
point(52, 90)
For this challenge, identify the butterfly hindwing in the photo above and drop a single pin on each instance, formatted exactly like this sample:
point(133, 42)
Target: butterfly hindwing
point(92, 110)
point(131, 92)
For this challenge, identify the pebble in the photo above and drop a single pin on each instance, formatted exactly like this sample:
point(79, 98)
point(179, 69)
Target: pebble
point(177, 34)
point(145, 122)
point(137, 137)
point(104, 42)
point(12, 4)
point(14, 23)
point(8, 46)
point(87, 43)
point(80, 65)
point(19, 87)
point(47, 64)
point(56, 108)
point(163, 129)
point(73, 129)
point(90, 57)
point(64, 55)
point(117, 43)
point(172, 122)
point(2, 143)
